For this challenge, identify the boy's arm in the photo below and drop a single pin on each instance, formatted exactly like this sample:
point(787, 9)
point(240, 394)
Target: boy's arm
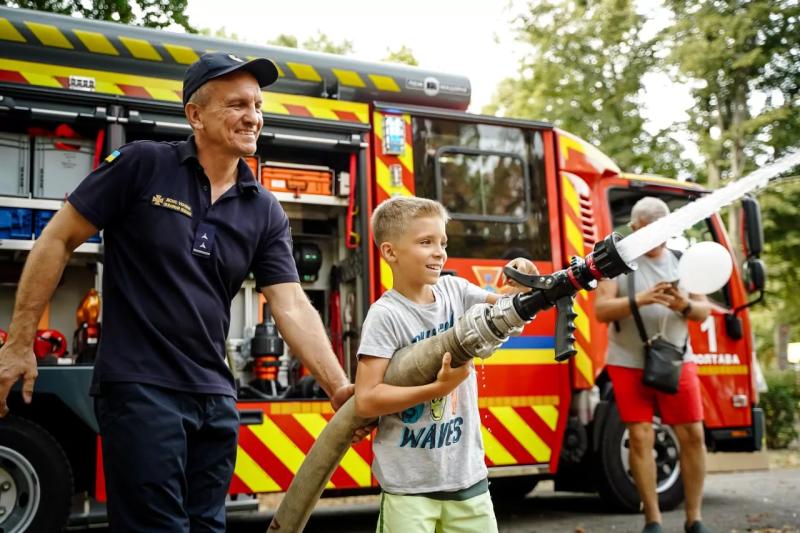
point(375, 398)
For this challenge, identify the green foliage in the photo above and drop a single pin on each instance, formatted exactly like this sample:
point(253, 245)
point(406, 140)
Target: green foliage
point(318, 43)
point(402, 55)
point(149, 13)
point(583, 72)
point(285, 40)
point(781, 404)
point(733, 50)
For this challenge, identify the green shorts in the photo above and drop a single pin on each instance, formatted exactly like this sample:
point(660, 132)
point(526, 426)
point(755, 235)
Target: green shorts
point(402, 513)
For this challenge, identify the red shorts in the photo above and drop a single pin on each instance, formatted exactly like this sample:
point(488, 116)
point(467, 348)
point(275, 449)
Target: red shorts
point(636, 401)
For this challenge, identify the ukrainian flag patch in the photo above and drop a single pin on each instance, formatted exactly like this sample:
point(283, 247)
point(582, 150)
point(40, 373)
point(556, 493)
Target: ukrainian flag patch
point(112, 156)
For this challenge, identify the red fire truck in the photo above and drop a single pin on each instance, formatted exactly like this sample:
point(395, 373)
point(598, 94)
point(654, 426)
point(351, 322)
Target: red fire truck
point(340, 136)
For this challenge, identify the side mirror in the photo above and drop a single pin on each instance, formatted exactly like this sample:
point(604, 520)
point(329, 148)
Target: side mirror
point(752, 231)
point(756, 275)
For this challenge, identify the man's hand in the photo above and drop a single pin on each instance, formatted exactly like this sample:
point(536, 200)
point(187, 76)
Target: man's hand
point(16, 363)
point(448, 377)
point(657, 294)
point(339, 397)
point(679, 299)
point(523, 265)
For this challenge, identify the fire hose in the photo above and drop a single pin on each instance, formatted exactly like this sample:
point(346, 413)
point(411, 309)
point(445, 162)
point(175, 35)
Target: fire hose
point(478, 333)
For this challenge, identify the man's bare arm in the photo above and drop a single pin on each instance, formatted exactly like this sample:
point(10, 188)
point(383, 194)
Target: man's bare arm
point(40, 276)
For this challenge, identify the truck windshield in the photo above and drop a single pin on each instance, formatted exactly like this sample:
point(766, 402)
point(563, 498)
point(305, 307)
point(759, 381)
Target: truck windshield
point(621, 201)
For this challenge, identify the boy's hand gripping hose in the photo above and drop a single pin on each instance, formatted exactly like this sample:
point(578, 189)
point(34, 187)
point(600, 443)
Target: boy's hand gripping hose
point(481, 331)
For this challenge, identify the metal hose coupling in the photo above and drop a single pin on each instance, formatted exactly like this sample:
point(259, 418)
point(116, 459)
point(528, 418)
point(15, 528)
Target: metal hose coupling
point(484, 327)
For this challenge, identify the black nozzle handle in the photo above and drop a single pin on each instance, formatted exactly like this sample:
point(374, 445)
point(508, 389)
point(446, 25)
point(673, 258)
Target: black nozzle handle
point(565, 327)
point(537, 281)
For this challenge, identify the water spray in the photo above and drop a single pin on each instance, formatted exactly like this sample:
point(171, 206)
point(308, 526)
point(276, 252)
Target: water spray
point(484, 328)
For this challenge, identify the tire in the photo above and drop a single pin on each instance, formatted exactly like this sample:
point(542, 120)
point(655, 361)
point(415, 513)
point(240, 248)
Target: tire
point(35, 479)
point(615, 481)
point(511, 489)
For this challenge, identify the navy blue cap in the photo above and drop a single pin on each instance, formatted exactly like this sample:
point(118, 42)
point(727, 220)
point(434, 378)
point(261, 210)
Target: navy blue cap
point(215, 64)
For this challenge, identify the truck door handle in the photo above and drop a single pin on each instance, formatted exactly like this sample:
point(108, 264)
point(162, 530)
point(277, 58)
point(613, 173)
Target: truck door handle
point(251, 417)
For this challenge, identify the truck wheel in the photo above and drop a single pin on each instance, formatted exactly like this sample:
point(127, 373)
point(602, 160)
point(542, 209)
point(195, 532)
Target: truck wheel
point(616, 484)
point(510, 489)
point(35, 478)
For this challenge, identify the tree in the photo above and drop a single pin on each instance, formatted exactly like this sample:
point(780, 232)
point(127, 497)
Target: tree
point(583, 72)
point(735, 50)
point(285, 40)
point(402, 55)
point(149, 13)
point(318, 43)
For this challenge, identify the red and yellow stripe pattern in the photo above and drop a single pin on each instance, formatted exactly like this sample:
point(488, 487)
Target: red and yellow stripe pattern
point(388, 168)
point(269, 454)
point(579, 237)
point(170, 90)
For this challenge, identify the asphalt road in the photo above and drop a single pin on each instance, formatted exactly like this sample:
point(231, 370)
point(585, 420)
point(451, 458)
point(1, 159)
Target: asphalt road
point(765, 501)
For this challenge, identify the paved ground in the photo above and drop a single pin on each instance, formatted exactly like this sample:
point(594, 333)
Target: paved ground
point(764, 501)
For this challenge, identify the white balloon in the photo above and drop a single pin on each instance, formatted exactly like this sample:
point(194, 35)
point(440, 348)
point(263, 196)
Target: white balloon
point(704, 267)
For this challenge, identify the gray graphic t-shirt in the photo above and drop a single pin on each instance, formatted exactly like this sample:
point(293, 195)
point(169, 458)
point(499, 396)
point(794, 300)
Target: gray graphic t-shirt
point(625, 347)
point(437, 445)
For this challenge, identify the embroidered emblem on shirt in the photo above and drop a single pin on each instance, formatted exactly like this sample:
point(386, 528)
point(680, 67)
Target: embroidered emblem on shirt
point(112, 156)
point(204, 240)
point(171, 203)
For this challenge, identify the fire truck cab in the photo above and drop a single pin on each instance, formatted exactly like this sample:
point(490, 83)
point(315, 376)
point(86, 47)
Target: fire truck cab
point(339, 137)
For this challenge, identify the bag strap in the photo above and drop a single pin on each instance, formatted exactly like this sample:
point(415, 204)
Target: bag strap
point(635, 309)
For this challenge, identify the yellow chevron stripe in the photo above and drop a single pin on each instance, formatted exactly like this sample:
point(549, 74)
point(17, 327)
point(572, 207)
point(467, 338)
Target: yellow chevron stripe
point(141, 49)
point(384, 83)
point(584, 364)
point(318, 107)
point(407, 158)
point(571, 196)
point(582, 321)
point(348, 77)
point(352, 463)
point(304, 72)
point(574, 236)
point(549, 414)
point(49, 35)
point(522, 432)
point(27, 68)
point(722, 370)
point(43, 80)
point(384, 180)
point(252, 474)
point(182, 54)
point(516, 401)
point(387, 279)
point(8, 32)
point(520, 356)
point(163, 94)
point(495, 451)
point(282, 446)
point(96, 42)
point(593, 154)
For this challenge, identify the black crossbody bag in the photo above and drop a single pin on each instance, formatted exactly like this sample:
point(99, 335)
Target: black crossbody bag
point(662, 359)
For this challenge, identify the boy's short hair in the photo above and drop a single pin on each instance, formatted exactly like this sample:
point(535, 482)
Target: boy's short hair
point(391, 217)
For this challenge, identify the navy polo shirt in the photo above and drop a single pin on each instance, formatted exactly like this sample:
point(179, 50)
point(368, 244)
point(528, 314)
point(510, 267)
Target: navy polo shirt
point(173, 263)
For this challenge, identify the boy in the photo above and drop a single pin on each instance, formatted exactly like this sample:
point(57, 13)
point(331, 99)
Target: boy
point(428, 449)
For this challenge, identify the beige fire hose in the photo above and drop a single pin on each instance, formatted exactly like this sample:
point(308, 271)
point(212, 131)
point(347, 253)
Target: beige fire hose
point(417, 364)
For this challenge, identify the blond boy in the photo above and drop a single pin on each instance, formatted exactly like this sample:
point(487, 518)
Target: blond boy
point(428, 449)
